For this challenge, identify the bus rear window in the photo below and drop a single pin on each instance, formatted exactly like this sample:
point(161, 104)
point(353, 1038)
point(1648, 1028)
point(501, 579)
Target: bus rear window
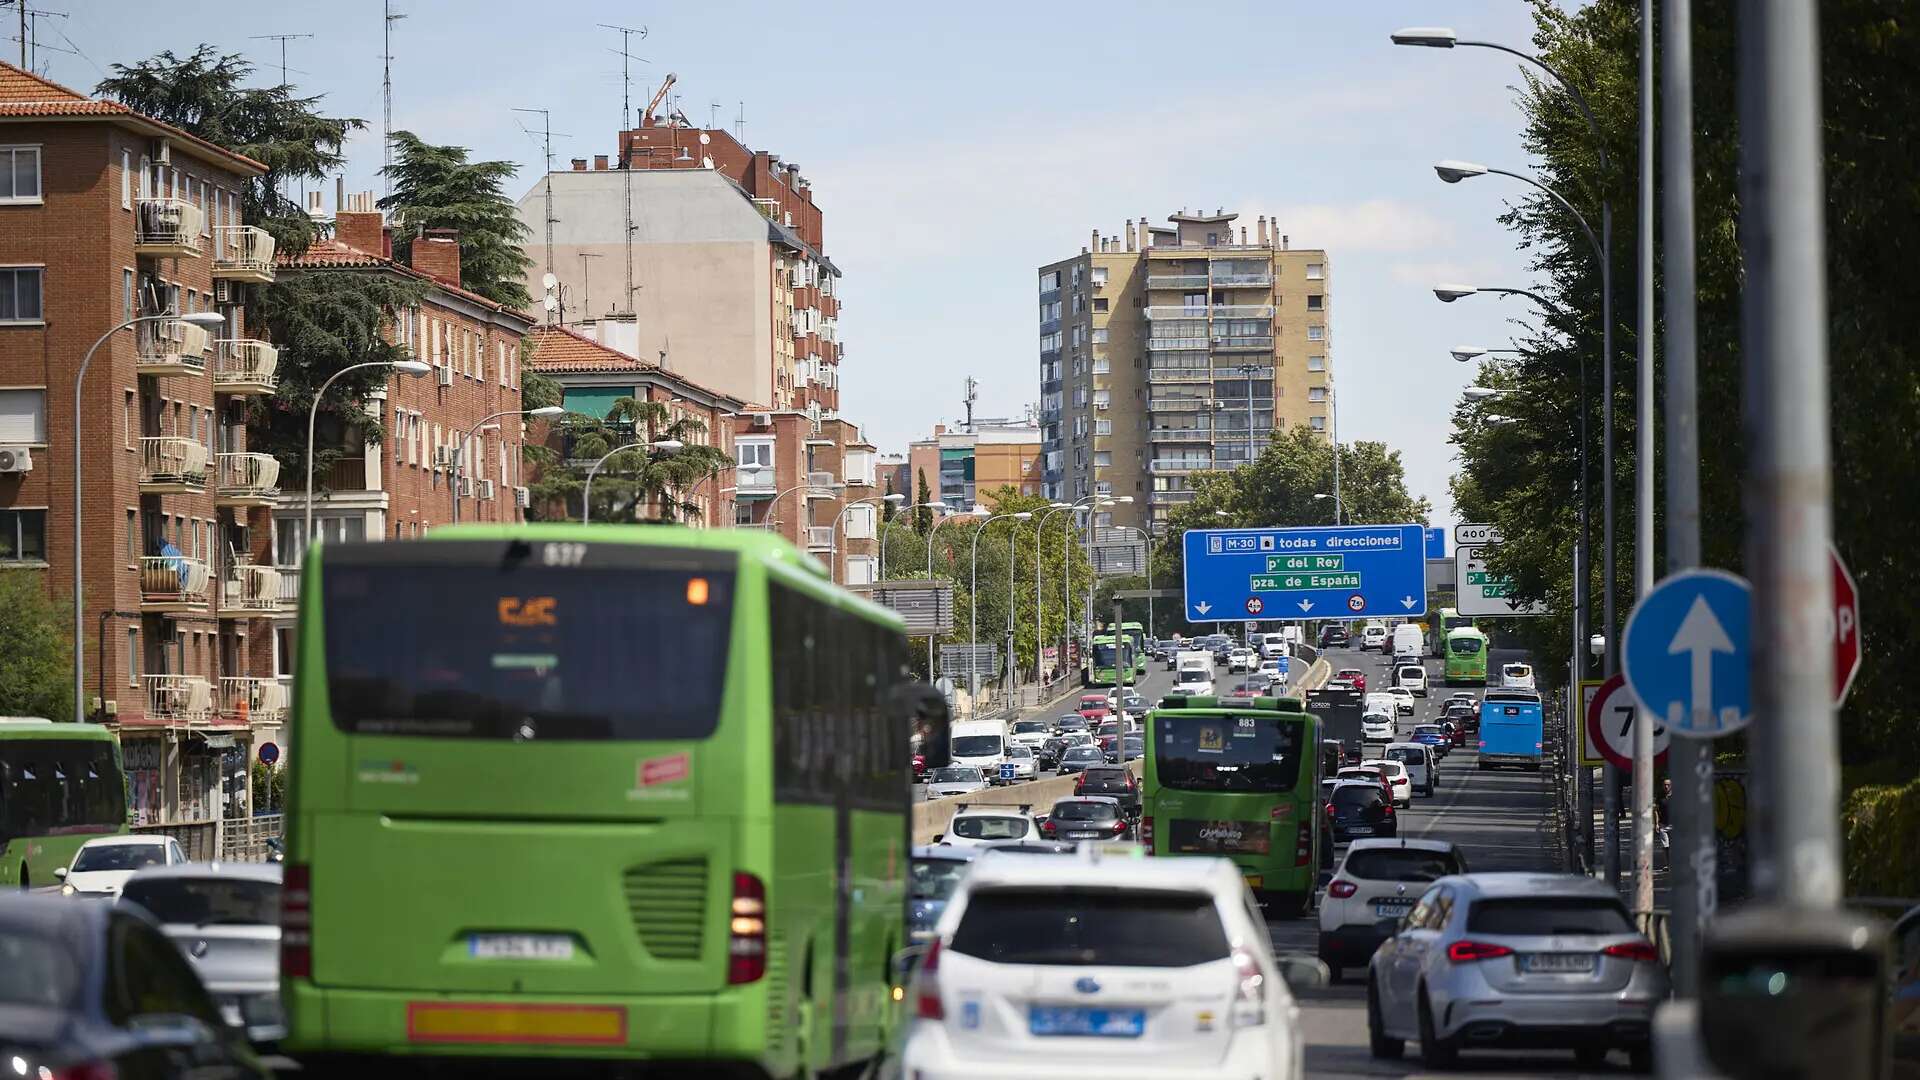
point(1226, 753)
point(489, 644)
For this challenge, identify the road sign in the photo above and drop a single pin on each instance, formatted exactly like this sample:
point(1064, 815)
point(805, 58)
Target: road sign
point(1687, 650)
point(1477, 535)
point(1589, 753)
point(1609, 723)
point(1481, 592)
point(1305, 573)
point(927, 606)
point(1846, 629)
point(960, 660)
point(1118, 557)
point(1436, 543)
point(269, 753)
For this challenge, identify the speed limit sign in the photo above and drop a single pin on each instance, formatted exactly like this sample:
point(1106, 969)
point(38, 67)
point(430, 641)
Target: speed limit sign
point(1610, 715)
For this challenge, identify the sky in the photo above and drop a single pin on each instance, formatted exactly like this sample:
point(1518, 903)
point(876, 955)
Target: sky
point(954, 151)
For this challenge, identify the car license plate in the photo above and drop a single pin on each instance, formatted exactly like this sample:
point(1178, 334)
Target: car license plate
point(1392, 909)
point(520, 947)
point(1360, 830)
point(1101, 1023)
point(1556, 962)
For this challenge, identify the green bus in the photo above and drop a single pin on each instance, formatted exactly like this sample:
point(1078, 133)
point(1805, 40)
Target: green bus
point(603, 792)
point(1136, 635)
point(1239, 779)
point(1466, 656)
point(1102, 668)
point(1446, 621)
point(60, 786)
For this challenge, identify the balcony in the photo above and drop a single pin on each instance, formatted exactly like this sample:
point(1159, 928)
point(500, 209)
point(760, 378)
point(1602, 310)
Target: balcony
point(244, 366)
point(819, 538)
point(1176, 281)
point(246, 480)
point(1175, 311)
point(1243, 311)
point(1239, 281)
point(1172, 466)
point(168, 227)
point(179, 699)
point(1181, 435)
point(172, 583)
point(254, 701)
point(174, 347)
point(1167, 498)
point(759, 481)
point(1179, 375)
point(242, 253)
point(289, 588)
point(1177, 404)
point(1253, 343)
point(249, 591)
point(170, 465)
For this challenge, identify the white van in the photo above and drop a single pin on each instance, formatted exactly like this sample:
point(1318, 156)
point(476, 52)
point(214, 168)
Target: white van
point(1516, 676)
point(1280, 644)
point(1373, 636)
point(980, 744)
point(1194, 677)
point(1407, 642)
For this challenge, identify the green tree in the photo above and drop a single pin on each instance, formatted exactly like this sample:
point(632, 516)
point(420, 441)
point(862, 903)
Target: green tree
point(922, 514)
point(640, 485)
point(436, 187)
point(36, 649)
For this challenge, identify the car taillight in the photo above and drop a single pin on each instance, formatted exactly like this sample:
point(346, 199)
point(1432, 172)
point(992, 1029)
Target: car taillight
point(1146, 833)
point(747, 930)
point(1539, 746)
point(296, 921)
point(1640, 952)
point(1466, 952)
point(1387, 808)
point(1080, 784)
point(1250, 993)
point(1330, 812)
point(1340, 890)
point(926, 1002)
point(1303, 844)
point(1047, 828)
point(83, 1070)
point(1119, 826)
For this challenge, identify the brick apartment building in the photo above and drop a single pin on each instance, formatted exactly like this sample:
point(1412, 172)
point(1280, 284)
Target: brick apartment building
point(815, 483)
point(964, 468)
point(107, 216)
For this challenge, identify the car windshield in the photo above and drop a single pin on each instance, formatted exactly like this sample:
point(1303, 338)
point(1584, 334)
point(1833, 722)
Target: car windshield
point(119, 857)
point(1544, 915)
point(207, 901)
point(1402, 864)
point(37, 970)
point(1083, 753)
point(1193, 676)
point(976, 745)
point(1408, 754)
point(1030, 727)
point(1084, 811)
point(990, 827)
point(935, 879)
point(1427, 729)
point(1019, 753)
point(1106, 776)
point(954, 776)
point(1073, 723)
point(1413, 673)
point(1061, 926)
point(1227, 753)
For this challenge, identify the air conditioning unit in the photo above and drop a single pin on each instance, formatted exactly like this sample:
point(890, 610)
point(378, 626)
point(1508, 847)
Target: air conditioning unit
point(522, 498)
point(760, 419)
point(160, 152)
point(443, 457)
point(465, 486)
point(446, 374)
point(486, 489)
point(223, 291)
point(16, 459)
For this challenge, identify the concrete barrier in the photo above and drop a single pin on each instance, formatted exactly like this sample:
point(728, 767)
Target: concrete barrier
point(930, 818)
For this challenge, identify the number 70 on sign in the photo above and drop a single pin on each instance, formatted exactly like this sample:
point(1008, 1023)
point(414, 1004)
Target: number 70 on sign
point(1608, 711)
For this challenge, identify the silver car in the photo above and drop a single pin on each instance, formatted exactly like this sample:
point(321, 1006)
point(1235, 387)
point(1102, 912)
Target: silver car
point(1515, 960)
point(225, 917)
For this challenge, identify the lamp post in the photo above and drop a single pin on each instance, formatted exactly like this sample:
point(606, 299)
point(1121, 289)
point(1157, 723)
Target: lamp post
point(1039, 533)
point(1336, 505)
point(930, 535)
point(206, 319)
point(833, 548)
point(454, 488)
point(973, 597)
point(415, 368)
point(1100, 501)
point(586, 490)
point(1146, 537)
point(934, 505)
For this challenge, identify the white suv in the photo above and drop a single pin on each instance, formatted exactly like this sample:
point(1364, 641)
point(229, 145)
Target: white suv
point(1411, 677)
point(978, 826)
point(1397, 778)
point(1378, 880)
point(1046, 965)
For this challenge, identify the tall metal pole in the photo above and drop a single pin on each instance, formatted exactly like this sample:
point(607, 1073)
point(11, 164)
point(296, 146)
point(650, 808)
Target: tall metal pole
point(931, 530)
point(1643, 553)
point(1333, 413)
point(1690, 761)
point(1789, 472)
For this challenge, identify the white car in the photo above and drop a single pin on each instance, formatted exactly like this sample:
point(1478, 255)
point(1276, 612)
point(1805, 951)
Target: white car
point(1402, 697)
point(1412, 678)
point(1091, 964)
point(1272, 667)
point(1378, 879)
point(1240, 661)
point(1373, 636)
point(1420, 762)
point(955, 780)
point(1381, 701)
point(1516, 677)
point(978, 826)
point(102, 866)
point(1025, 765)
point(1396, 774)
point(1377, 726)
point(1030, 733)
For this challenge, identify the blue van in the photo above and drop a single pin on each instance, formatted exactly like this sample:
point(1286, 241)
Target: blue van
point(1512, 729)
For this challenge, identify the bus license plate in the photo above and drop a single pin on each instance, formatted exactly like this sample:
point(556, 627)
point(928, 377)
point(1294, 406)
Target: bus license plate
point(1546, 963)
point(1105, 1023)
point(520, 947)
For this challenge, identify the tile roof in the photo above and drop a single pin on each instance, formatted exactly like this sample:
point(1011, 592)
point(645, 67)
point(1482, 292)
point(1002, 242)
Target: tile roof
point(557, 349)
point(331, 254)
point(26, 96)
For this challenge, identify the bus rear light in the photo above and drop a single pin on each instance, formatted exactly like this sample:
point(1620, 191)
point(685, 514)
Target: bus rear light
point(926, 1001)
point(1146, 833)
point(1303, 844)
point(296, 921)
point(747, 931)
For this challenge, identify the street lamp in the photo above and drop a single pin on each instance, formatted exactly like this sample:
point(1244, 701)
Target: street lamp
point(415, 368)
point(1039, 532)
point(833, 547)
point(745, 471)
point(454, 488)
point(973, 589)
point(934, 505)
point(207, 319)
point(1464, 353)
point(586, 491)
point(1337, 509)
point(931, 533)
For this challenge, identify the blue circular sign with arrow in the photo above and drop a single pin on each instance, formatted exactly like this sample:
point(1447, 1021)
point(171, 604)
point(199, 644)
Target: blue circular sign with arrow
point(1687, 653)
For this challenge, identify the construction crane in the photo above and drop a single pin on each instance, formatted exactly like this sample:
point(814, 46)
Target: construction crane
point(647, 117)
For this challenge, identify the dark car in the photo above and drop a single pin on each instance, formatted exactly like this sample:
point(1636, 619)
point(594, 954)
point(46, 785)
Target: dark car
point(1095, 817)
point(1359, 808)
point(1111, 780)
point(1463, 716)
point(933, 874)
point(1070, 722)
point(1078, 758)
point(1456, 731)
point(96, 989)
point(1334, 637)
point(1048, 755)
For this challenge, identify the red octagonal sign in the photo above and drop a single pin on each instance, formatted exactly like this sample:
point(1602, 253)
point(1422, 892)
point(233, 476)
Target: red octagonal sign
point(1846, 629)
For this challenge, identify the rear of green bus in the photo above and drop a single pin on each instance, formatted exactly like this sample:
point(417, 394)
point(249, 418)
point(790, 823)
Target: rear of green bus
point(1136, 637)
point(1103, 666)
point(1239, 780)
point(531, 807)
point(61, 785)
point(1466, 657)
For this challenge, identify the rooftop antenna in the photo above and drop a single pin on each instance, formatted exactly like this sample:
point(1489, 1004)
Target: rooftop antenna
point(740, 125)
point(713, 114)
point(626, 116)
point(546, 144)
point(282, 39)
point(30, 34)
point(972, 395)
point(386, 95)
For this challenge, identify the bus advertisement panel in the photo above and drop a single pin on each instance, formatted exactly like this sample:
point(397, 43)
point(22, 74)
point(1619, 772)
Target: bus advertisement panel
point(1240, 780)
point(60, 786)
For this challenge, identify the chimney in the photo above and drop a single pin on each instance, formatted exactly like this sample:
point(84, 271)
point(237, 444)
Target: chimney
point(437, 255)
point(1283, 243)
point(1243, 236)
point(579, 164)
point(315, 208)
point(1145, 235)
point(599, 163)
point(358, 225)
point(1095, 233)
point(1129, 234)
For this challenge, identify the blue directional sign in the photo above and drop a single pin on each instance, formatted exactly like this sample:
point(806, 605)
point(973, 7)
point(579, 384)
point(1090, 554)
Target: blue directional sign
point(1687, 652)
point(1333, 572)
point(1436, 543)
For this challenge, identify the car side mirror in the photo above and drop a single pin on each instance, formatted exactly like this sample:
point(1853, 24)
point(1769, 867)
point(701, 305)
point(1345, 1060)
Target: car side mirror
point(939, 838)
point(928, 719)
point(60, 874)
point(1302, 972)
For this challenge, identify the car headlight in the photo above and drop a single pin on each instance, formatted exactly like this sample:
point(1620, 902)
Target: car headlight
point(67, 890)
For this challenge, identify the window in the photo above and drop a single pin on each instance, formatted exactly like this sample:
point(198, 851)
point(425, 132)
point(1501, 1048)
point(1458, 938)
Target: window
point(1100, 335)
point(1316, 393)
point(23, 417)
point(23, 536)
point(126, 295)
point(19, 292)
point(19, 174)
point(1316, 363)
point(1316, 271)
point(1050, 281)
point(1102, 458)
point(1316, 302)
point(1318, 423)
point(1100, 303)
point(133, 656)
point(1102, 365)
point(1103, 427)
point(126, 179)
point(1316, 333)
point(1102, 399)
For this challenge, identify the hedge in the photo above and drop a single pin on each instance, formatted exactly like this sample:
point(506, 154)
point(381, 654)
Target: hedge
point(1881, 829)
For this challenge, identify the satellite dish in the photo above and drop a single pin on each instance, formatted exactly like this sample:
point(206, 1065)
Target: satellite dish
point(706, 161)
point(552, 304)
point(548, 281)
point(705, 138)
